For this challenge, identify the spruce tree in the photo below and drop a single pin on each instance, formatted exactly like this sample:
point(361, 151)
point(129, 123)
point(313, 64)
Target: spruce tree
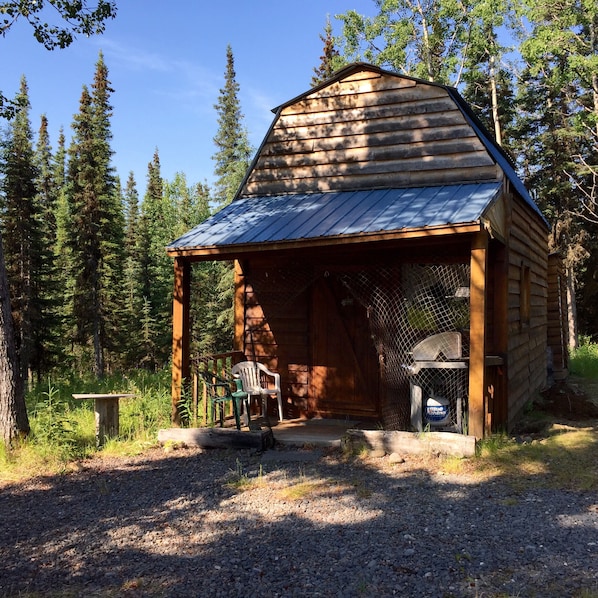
point(154, 285)
point(233, 151)
point(63, 246)
point(133, 298)
point(83, 233)
point(232, 160)
point(14, 421)
point(77, 17)
point(22, 230)
point(96, 223)
point(47, 338)
point(331, 60)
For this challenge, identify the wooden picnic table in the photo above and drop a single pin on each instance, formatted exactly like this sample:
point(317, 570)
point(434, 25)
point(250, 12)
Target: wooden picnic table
point(106, 411)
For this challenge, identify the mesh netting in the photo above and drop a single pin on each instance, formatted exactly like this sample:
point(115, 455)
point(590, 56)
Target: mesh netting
point(405, 305)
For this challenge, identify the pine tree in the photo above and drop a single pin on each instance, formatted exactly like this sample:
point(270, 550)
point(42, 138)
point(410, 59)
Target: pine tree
point(47, 338)
point(233, 153)
point(155, 271)
point(96, 222)
point(22, 230)
point(331, 60)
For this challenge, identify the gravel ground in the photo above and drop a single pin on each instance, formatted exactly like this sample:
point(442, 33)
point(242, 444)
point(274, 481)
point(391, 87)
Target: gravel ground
point(306, 523)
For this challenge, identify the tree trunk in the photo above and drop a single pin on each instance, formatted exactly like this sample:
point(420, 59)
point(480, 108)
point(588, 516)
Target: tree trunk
point(494, 95)
point(13, 413)
point(571, 309)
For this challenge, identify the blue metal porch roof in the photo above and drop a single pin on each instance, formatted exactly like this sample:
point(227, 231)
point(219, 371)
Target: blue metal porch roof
point(295, 217)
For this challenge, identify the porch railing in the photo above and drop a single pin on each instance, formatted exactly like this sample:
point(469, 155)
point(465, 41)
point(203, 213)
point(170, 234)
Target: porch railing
point(219, 364)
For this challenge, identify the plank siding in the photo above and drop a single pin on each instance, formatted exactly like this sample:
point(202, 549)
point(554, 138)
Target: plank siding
point(528, 247)
point(369, 132)
point(370, 129)
point(276, 330)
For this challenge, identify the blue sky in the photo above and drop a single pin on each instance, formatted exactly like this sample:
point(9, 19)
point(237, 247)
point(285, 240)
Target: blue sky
point(166, 63)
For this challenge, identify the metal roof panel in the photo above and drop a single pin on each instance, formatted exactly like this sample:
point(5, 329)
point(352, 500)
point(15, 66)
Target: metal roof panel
point(309, 216)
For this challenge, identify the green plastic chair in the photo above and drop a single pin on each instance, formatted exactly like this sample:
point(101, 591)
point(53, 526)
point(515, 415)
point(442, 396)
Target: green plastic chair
point(219, 393)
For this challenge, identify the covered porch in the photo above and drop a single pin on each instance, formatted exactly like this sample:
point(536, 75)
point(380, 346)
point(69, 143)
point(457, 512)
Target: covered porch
point(339, 325)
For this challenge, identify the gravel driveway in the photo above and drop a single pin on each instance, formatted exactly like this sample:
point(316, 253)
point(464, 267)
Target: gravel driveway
point(290, 523)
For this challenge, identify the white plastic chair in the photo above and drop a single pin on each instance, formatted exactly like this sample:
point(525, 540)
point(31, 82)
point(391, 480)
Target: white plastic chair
point(258, 380)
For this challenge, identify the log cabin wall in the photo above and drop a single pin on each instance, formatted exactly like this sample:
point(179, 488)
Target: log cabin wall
point(275, 307)
point(527, 308)
point(496, 338)
point(369, 131)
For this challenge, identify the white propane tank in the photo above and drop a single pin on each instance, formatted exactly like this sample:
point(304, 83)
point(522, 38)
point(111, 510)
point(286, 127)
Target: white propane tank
point(436, 412)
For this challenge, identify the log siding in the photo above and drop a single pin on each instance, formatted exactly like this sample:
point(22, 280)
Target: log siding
point(369, 132)
point(368, 129)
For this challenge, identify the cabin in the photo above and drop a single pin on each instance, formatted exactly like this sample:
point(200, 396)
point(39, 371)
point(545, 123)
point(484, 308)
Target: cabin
point(389, 264)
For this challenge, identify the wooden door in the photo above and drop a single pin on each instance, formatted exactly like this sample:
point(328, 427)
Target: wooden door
point(344, 378)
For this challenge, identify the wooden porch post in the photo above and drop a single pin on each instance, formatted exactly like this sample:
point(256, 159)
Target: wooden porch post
point(477, 331)
point(180, 332)
point(239, 309)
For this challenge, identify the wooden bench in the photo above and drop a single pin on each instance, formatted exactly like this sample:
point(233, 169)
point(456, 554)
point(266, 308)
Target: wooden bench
point(106, 410)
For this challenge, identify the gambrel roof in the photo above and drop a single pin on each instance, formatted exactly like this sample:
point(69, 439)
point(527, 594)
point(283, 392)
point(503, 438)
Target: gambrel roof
point(366, 153)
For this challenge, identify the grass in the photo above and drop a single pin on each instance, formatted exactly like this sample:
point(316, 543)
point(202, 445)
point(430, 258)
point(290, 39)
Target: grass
point(63, 432)
point(63, 429)
point(303, 489)
point(241, 481)
point(564, 459)
point(583, 361)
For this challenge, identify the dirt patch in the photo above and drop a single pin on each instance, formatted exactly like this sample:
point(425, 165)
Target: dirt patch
point(573, 401)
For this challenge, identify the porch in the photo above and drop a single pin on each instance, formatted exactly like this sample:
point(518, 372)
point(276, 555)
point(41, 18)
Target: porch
point(268, 432)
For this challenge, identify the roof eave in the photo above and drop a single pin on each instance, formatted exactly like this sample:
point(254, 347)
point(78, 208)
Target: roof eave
point(225, 252)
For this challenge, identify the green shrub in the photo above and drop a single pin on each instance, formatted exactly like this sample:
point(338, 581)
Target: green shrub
point(583, 361)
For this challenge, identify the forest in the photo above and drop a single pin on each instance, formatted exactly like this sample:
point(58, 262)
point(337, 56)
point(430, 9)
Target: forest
point(89, 280)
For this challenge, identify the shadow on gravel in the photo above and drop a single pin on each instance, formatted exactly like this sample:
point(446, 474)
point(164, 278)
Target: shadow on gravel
point(176, 526)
